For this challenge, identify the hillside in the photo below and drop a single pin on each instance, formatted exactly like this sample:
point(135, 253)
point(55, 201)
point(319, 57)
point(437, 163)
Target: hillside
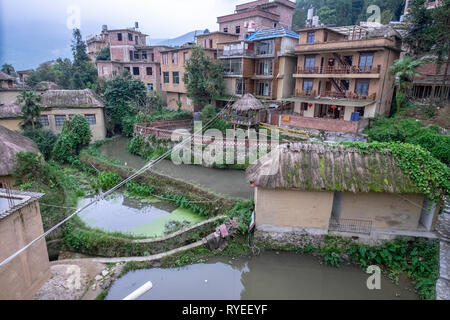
point(178, 41)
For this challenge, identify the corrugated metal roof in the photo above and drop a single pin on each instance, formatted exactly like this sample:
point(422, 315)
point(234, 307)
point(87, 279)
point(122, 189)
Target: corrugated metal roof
point(272, 33)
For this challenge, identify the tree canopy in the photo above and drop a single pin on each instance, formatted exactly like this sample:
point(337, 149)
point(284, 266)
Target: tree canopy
point(31, 109)
point(203, 77)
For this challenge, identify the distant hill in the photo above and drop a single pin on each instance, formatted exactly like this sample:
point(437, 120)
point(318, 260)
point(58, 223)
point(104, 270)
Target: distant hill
point(178, 41)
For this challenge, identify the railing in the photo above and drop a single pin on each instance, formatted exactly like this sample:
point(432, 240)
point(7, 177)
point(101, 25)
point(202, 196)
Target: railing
point(240, 119)
point(335, 94)
point(236, 52)
point(339, 70)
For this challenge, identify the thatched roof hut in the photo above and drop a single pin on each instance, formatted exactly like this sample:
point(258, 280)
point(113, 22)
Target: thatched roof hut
point(46, 85)
point(71, 99)
point(318, 167)
point(247, 103)
point(10, 111)
point(5, 77)
point(12, 143)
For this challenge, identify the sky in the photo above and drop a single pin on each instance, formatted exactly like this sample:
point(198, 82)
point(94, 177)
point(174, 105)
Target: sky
point(35, 31)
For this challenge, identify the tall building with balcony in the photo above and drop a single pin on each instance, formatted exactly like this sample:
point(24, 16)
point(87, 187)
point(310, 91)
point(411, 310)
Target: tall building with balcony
point(255, 15)
point(128, 51)
point(173, 62)
point(342, 78)
point(262, 65)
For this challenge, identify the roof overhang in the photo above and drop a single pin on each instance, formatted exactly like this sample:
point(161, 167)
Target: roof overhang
point(339, 102)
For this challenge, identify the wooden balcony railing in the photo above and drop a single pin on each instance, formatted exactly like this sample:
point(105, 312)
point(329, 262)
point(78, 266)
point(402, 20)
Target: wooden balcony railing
point(339, 70)
point(335, 94)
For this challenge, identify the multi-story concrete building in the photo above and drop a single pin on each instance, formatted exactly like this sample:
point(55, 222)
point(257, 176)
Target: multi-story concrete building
point(263, 64)
point(255, 15)
point(342, 78)
point(173, 63)
point(128, 50)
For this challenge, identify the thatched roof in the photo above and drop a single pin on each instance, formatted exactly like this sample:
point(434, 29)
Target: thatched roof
point(12, 143)
point(384, 31)
point(46, 85)
point(4, 76)
point(10, 111)
point(318, 167)
point(70, 99)
point(247, 102)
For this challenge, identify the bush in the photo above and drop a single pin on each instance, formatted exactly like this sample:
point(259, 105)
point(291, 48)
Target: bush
point(410, 130)
point(105, 181)
point(45, 140)
point(242, 210)
point(208, 113)
point(76, 133)
point(139, 189)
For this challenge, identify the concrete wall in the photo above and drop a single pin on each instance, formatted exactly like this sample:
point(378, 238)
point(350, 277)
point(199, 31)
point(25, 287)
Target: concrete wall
point(293, 208)
point(384, 209)
point(23, 276)
point(98, 130)
point(6, 181)
point(11, 124)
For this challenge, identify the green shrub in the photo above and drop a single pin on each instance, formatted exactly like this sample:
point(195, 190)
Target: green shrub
point(105, 181)
point(45, 140)
point(139, 189)
point(242, 210)
point(76, 134)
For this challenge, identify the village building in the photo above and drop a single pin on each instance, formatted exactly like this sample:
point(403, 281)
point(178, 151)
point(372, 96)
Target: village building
point(256, 15)
point(6, 81)
point(12, 143)
point(128, 51)
point(263, 64)
point(23, 75)
point(58, 105)
point(173, 62)
point(315, 188)
point(342, 78)
point(20, 223)
point(431, 84)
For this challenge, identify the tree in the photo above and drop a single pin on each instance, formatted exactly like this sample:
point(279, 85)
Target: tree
point(418, 38)
point(104, 54)
point(8, 69)
point(45, 72)
point(125, 96)
point(76, 134)
point(404, 71)
point(31, 109)
point(45, 140)
point(84, 72)
point(203, 77)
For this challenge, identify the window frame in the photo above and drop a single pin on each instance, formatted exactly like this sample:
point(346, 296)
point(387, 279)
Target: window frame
point(176, 77)
point(310, 37)
point(89, 118)
point(164, 77)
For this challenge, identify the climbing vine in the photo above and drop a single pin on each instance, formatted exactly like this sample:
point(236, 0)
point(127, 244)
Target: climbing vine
point(431, 176)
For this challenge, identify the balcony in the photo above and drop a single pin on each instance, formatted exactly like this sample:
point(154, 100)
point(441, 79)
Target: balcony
point(335, 95)
point(346, 45)
point(236, 53)
point(339, 72)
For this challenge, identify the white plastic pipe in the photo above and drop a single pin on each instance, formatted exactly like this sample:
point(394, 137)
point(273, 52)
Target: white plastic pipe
point(139, 292)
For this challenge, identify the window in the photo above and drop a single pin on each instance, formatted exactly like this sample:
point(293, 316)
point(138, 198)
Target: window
point(311, 36)
point(153, 57)
point(59, 120)
point(241, 87)
point(144, 55)
point(166, 77)
point(275, 25)
point(165, 58)
point(149, 71)
point(362, 87)
point(264, 47)
point(360, 110)
point(174, 57)
point(91, 119)
point(131, 55)
point(365, 62)
point(185, 57)
point(136, 71)
point(264, 67)
point(310, 63)
point(345, 84)
point(225, 29)
point(176, 77)
point(325, 37)
point(238, 29)
point(348, 60)
point(44, 121)
point(263, 88)
point(304, 106)
point(150, 86)
point(136, 55)
point(119, 37)
point(308, 85)
point(136, 40)
point(130, 37)
point(210, 43)
point(233, 67)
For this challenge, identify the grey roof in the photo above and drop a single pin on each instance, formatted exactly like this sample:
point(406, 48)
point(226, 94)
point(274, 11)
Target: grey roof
point(25, 197)
point(12, 143)
point(71, 99)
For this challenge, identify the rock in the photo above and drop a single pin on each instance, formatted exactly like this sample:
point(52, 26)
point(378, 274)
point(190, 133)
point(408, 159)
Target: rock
point(104, 273)
point(94, 287)
point(98, 278)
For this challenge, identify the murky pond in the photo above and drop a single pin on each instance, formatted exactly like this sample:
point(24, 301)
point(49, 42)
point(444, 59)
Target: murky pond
point(227, 182)
point(148, 218)
point(273, 276)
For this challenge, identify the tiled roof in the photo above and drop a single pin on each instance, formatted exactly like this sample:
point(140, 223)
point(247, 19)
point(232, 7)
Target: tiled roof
point(25, 198)
point(272, 33)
